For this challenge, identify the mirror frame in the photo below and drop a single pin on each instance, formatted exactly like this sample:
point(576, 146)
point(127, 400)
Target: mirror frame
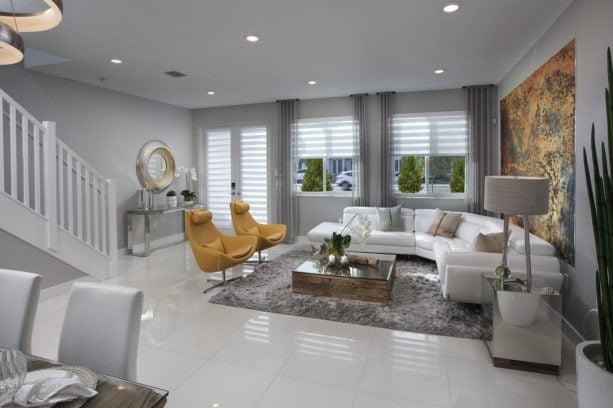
point(142, 165)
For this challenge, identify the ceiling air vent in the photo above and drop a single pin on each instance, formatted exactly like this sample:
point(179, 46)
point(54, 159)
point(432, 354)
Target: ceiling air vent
point(175, 74)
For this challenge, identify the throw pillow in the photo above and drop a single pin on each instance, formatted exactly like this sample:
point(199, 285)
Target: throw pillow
point(396, 215)
point(384, 219)
point(490, 242)
point(216, 245)
point(444, 223)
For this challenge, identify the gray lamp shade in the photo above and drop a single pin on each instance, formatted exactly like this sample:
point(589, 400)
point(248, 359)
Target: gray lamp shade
point(517, 195)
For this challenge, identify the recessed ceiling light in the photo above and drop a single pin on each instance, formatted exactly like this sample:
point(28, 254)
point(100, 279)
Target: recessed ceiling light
point(312, 82)
point(439, 71)
point(452, 7)
point(252, 38)
point(210, 92)
point(116, 61)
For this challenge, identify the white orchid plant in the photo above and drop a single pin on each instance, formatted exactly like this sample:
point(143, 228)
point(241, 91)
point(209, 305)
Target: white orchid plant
point(362, 230)
point(189, 173)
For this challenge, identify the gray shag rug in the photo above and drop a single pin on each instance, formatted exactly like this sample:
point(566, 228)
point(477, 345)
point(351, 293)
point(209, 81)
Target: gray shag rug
point(417, 303)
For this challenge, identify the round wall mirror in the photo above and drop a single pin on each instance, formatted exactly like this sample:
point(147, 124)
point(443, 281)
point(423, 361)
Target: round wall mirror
point(155, 166)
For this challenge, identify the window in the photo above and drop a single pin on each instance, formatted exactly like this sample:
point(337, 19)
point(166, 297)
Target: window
point(429, 153)
point(324, 151)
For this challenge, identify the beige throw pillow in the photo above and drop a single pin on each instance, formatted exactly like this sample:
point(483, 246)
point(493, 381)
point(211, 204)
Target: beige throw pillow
point(492, 242)
point(444, 223)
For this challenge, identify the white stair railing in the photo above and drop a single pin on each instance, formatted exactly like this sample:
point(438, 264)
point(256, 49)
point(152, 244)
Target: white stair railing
point(51, 181)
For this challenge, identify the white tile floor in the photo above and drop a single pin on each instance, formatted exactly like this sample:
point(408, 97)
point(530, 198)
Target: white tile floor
point(209, 355)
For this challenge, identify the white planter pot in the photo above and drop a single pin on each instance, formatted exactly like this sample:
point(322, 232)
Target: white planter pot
point(188, 203)
point(171, 202)
point(594, 385)
point(518, 308)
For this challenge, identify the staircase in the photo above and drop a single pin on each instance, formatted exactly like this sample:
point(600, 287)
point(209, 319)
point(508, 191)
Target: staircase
point(51, 198)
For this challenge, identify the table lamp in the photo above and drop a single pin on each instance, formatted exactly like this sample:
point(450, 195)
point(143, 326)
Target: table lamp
point(517, 195)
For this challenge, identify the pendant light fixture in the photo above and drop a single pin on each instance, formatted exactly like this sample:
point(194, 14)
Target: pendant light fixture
point(12, 23)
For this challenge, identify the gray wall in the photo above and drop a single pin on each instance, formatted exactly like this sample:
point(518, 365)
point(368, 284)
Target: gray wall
point(107, 129)
point(589, 21)
point(19, 255)
point(314, 210)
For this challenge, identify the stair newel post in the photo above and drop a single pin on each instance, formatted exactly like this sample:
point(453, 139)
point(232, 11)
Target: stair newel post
point(112, 225)
point(50, 184)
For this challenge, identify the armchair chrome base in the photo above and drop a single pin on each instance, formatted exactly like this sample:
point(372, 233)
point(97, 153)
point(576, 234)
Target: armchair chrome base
point(220, 282)
point(259, 261)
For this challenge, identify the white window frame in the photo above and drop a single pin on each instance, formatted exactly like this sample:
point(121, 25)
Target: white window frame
point(296, 190)
point(426, 171)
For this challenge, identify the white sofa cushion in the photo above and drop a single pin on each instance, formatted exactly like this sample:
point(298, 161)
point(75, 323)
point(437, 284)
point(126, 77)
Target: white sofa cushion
point(423, 219)
point(391, 238)
point(538, 246)
point(427, 241)
point(408, 216)
point(323, 230)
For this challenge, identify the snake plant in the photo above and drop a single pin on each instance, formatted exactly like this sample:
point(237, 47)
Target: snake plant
point(601, 206)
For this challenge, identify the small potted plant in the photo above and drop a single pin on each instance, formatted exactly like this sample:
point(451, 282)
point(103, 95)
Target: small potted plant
point(188, 197)
point(171, 199)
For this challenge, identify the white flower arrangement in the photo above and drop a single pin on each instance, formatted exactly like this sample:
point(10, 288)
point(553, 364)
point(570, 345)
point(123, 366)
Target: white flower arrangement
point(362, 230)
point(186, 171)
point(189, 173)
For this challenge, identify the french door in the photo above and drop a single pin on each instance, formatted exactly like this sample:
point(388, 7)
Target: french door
point(235, 166)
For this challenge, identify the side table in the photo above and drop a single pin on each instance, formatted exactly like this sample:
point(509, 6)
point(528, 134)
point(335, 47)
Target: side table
point(536, 348)
point(147, 224)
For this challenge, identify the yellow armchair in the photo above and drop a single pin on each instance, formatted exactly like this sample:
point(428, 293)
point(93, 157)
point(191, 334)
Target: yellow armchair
point(268, 235)
point(213, 251)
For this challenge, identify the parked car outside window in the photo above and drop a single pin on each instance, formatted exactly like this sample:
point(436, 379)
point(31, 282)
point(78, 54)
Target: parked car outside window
point(345, 180)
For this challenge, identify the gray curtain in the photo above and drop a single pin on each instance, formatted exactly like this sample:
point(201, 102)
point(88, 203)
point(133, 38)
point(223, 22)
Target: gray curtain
point(360, 158)
point(481, 144)
point(386, 112)
point(287, 207)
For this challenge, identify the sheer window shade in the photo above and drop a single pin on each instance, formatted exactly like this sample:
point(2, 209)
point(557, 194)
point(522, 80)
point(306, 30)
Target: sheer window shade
point(219, 175)
point(430, 134)
point(254, 173)
point(329, 138)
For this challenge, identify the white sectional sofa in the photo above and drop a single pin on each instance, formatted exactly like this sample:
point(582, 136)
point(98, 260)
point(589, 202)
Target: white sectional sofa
point(459, 266)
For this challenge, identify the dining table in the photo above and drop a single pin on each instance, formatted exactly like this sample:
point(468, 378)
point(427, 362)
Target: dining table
point(112, 392)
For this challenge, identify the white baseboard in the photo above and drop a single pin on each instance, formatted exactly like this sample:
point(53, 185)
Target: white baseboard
point(62, 288)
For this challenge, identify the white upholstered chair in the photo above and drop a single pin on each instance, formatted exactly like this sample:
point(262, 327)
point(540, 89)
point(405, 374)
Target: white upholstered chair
point(19, 292)
point(101, 329)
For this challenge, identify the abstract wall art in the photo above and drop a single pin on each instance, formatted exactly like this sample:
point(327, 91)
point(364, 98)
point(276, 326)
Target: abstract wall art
point(537, 121)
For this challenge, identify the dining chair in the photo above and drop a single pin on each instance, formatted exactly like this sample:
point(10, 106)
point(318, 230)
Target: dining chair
point(101, 329)
point(19, 292)
point(244, 224)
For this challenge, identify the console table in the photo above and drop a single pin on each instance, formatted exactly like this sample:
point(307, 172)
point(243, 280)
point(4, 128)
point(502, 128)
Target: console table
point(159, 211)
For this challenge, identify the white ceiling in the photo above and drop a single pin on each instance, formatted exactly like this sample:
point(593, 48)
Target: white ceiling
point(348, 46)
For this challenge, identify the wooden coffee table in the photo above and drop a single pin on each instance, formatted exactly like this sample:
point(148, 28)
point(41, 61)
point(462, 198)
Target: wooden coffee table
point(372, 283)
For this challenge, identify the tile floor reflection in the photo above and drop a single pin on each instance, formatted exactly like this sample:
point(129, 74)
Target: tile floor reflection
point(216, 356)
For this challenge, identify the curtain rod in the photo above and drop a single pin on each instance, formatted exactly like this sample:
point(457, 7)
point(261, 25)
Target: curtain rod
point(478, 86)
point(360, 94)
point(287, 100)
point(386, 93)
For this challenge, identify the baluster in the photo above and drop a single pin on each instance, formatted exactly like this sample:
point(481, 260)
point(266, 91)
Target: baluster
point(13, 136)
point(88, 211)
point(79, 200)
point(25, 147)
point(2, 143)
point(37, 193)
point(60, 164)
point(95, 229)
point(104, 217)
point(69, 187)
